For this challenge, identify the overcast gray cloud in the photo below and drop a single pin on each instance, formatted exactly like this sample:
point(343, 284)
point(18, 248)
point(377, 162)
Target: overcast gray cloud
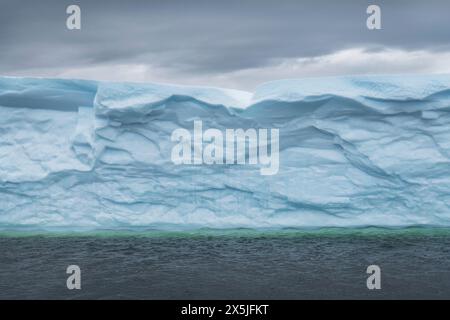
point(238, 43)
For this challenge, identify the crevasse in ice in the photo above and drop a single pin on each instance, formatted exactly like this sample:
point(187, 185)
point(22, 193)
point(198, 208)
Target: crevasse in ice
point(354, 151)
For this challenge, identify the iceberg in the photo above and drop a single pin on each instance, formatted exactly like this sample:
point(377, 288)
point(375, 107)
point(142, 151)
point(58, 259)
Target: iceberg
point(353, 151)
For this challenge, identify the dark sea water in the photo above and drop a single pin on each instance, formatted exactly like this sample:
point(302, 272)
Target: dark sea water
point(242, 264)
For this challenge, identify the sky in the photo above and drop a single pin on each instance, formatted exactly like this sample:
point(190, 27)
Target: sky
point(227, 43)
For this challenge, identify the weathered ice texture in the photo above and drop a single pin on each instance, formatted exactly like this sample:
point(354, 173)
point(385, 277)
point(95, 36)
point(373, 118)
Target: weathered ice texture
point(354, 151)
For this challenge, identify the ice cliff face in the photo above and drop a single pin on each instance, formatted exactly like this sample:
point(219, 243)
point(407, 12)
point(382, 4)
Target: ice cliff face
point(354, 151)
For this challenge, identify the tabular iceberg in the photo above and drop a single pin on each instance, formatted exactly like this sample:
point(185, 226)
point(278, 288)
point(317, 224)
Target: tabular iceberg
point(354, 151)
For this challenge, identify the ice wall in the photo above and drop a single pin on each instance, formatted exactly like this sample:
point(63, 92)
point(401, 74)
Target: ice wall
point(354, 151)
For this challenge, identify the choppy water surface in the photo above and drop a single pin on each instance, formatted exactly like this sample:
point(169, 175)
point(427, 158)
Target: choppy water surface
point(238, 264)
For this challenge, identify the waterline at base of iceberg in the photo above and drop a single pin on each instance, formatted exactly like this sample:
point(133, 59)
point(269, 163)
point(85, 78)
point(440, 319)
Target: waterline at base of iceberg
point(416, 231)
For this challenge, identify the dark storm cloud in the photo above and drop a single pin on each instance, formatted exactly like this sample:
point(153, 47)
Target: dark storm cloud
point(196, 36)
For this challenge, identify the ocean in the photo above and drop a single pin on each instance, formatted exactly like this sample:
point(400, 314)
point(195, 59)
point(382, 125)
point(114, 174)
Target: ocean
point(233, 264)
